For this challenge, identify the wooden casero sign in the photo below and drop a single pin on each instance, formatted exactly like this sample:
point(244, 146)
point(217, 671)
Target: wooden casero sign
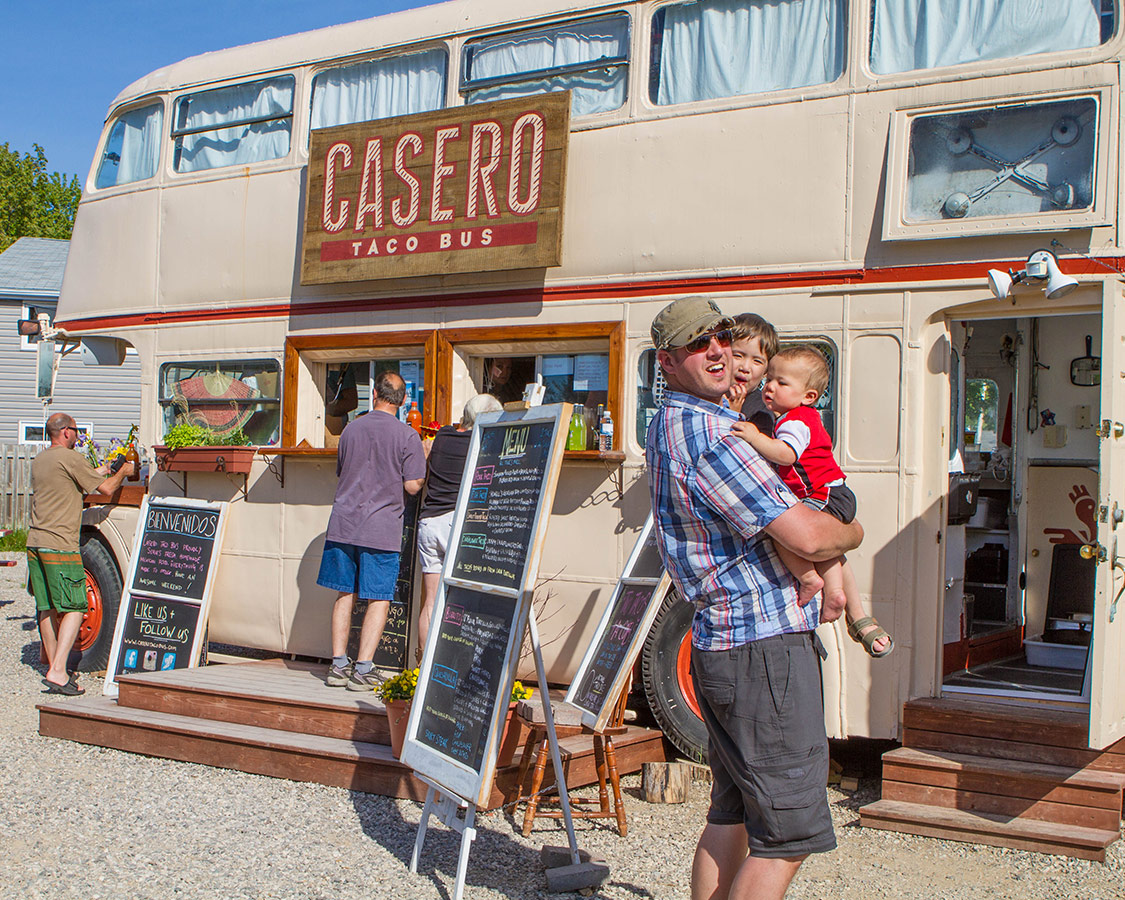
point(471, 189)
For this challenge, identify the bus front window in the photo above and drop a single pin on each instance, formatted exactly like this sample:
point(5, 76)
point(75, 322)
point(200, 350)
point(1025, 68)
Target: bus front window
point(132, 149)
point(239, 401)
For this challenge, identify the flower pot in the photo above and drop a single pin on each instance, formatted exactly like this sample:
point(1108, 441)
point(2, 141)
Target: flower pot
point(218, 458)
point(510, 740)
point(398, 714)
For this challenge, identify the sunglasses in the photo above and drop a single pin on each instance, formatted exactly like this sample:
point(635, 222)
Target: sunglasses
point(701, 343)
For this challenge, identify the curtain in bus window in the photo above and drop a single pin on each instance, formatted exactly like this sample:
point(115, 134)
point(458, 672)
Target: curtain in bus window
point(270, 102)
point(133, 148)
point(926, 34)
point(595, 89)
point(398, 86)
point(724, 48)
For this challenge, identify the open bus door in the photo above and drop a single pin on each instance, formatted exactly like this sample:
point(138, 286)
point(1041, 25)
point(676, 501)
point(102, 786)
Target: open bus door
point(1106, 665)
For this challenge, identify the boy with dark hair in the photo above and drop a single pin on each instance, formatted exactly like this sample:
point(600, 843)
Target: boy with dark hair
point(753, 344)
point(801, 450)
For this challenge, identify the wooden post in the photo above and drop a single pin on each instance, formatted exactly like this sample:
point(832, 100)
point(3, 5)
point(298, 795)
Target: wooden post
point(665, 782)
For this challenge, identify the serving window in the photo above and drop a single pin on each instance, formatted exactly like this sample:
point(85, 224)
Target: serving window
point(238, 400)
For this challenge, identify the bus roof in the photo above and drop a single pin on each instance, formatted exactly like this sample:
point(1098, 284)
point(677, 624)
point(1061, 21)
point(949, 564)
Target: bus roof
point(426, 23)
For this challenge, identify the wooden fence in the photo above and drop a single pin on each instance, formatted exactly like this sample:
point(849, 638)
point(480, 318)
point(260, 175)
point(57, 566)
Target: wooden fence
point(15, 484)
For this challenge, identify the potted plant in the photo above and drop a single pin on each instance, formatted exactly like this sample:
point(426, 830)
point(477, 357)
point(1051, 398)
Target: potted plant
point(510, 740)
point(396, 694)
point(196, 448)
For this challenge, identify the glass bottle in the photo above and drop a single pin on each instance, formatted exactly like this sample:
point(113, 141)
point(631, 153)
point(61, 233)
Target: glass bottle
point(576, 433)
point(414, 417)
point(593, 426)
point(131, 456)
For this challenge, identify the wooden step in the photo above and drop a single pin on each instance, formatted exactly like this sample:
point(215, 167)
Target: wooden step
point(279, 694)
point(356, 765)
point(988, 828)
point(1089, 798)
point(1036, 735)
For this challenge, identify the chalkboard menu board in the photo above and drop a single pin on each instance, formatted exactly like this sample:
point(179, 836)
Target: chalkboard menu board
point(465, 674)
point(507, 482)
point(620, 634)
point(482, 607)
point(174, 555)
point(162, 619)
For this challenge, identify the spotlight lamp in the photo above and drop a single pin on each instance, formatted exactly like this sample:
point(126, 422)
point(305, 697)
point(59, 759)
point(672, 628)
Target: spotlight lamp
point(1042, 270)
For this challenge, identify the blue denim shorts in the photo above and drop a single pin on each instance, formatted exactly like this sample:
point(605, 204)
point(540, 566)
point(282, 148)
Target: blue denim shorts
point(369, 574)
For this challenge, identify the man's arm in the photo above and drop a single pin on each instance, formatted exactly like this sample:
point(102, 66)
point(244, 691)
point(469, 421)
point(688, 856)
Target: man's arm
point(111, 484)
point(414, 485)
point(814, 535)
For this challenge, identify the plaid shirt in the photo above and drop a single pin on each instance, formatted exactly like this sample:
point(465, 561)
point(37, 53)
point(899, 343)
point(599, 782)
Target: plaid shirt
point(711, 496)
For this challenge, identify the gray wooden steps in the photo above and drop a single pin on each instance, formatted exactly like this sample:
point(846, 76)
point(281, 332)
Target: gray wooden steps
point(1004, 775)
point(987, 828)
point(278, 718)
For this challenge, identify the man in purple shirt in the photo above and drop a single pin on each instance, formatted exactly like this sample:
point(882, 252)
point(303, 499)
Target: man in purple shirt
point(378, 459)
point(718, 509)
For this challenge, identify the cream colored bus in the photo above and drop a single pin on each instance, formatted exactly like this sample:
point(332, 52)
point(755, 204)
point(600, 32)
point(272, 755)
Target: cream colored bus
point(272, 224)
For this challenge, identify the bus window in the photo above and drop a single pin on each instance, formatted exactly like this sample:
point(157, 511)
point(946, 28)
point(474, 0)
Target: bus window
point(132, 149)
point(725, 48)
point(226, 396)
point(925, 34)
point(954, 160)
point(579, 378)
point(379, 89)
point(651, 387)
point(235, 125)
point(349, 389)
point(590, 58)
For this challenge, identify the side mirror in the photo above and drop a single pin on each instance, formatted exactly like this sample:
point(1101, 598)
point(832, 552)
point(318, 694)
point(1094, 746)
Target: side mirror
point(45, 369)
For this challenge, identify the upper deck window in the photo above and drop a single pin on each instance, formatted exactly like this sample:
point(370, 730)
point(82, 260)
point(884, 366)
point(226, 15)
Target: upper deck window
point(590, 58)
point(236, 125)
point(132, 150)
point(926, 34)
point(379, 89)
point(726, 48)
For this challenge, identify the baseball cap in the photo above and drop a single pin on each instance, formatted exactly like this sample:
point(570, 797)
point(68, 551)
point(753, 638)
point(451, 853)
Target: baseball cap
point(685, 319)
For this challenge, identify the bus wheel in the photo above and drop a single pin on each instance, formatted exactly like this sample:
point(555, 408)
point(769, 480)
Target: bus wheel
point(665, 663)
point(103, 595)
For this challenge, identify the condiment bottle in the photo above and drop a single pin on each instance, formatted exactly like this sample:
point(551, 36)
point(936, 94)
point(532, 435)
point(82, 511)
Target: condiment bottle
point(414, 417)
point(605, 433)
point(131, 456)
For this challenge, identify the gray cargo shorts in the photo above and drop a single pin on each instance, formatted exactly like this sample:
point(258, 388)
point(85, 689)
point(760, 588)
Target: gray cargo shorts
point(764, 713)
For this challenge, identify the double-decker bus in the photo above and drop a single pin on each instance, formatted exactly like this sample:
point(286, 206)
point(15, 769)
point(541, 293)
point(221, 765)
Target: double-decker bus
point(271, 226)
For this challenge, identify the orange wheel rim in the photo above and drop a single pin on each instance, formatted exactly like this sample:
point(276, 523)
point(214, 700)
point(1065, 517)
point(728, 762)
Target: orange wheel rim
point(92, 621)
point(683, 674)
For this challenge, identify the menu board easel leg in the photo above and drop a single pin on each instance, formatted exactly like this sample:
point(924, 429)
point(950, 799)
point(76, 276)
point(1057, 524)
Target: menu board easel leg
point(445, 806)
point(552, 737)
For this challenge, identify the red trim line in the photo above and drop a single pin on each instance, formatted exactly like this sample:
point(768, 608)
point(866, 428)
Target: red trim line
point(622, 290)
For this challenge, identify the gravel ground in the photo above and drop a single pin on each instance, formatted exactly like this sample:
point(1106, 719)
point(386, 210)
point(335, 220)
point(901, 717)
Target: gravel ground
point(87, 822)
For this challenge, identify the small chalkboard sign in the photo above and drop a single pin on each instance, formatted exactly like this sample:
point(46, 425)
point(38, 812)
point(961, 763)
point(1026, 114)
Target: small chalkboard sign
point(620, 634)
point(482, 607)
point(163, 614)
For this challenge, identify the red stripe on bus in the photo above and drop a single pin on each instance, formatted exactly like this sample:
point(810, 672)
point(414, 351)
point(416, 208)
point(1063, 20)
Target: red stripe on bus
point(763, 281)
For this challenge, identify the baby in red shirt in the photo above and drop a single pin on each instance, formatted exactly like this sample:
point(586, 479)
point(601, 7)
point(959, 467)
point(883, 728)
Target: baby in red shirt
point(801, 450)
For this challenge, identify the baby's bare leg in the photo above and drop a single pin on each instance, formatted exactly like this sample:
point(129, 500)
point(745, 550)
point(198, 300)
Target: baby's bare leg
point(836, 598)
point(804, 571)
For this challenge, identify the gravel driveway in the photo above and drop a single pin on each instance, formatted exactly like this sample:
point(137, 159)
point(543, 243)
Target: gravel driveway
point(87, 822)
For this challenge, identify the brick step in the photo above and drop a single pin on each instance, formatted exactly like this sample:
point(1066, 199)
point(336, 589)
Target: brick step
point(283, 695)
point(348, 763)
point(1032, 734)
point(988, 828)
point(1006, 787)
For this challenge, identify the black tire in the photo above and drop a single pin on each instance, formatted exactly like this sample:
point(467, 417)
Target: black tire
point(102, 570)
point(663, 690)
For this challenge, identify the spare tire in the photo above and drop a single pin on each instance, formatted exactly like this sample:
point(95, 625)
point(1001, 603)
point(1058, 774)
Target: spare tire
point(103, 596)
point(666, 673)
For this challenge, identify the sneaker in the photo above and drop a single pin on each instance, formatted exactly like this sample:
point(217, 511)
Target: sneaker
point(337, 677)
point(367, 681)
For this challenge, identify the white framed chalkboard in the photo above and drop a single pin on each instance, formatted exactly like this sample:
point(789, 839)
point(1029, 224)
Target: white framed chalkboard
point(621, 632)
point(481, 610)
point(167, 592)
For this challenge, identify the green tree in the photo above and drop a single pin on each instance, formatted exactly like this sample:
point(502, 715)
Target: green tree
point(33, 202)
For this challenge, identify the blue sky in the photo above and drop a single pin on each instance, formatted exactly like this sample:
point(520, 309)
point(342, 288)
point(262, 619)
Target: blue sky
point(63, 61)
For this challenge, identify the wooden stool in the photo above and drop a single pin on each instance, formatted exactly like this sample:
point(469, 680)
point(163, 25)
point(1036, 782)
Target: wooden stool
point(605, 763)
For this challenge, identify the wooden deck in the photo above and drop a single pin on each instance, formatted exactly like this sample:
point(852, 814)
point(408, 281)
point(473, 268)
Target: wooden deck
point(278, 718)
point(1009, 776)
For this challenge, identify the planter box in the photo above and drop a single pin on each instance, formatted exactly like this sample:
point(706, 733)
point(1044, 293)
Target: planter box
point(219, 458)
